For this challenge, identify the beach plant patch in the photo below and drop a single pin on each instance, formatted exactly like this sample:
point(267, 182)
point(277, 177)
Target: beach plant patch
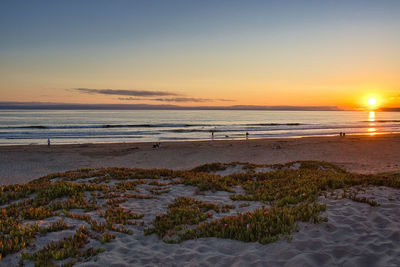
point(182, 212)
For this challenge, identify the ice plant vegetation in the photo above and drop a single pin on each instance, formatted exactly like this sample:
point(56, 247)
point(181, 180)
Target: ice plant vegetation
point(182, 212)
point(90, 207)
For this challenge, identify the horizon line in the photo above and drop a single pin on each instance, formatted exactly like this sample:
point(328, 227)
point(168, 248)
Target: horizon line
point(69, 106)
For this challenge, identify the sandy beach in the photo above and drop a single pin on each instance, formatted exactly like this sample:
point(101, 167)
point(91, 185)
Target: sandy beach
point(351, 232)
point(358, 153)
point(355, 232)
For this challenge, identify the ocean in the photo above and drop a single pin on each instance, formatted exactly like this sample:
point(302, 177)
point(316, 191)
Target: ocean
point(23, 127)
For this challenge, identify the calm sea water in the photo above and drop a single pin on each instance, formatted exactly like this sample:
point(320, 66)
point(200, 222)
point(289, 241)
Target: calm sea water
point(104, 126)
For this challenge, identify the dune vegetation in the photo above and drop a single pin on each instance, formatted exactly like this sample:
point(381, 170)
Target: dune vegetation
point(87, 206)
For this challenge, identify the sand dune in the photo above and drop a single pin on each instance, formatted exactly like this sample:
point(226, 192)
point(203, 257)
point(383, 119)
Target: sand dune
point(356, 234)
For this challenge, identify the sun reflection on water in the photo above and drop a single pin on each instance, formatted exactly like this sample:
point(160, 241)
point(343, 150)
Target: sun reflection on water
point(371, 118)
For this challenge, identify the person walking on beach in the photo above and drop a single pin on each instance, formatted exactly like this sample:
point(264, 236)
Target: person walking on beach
point(48, 141)
point(247, 135)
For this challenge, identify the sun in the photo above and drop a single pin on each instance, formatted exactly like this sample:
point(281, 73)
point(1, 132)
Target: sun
point(372, 101)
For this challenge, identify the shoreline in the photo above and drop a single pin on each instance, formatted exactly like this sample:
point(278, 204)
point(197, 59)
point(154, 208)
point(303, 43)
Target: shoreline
point(200, 140)
point(356, 153)
point(204, 140)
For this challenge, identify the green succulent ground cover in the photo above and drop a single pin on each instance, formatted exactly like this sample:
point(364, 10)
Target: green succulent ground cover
point(94, 198)
point(183, 212)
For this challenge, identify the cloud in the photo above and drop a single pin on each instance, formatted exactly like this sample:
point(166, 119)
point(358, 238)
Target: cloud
point(225, 100)
point(140, 93)
point(175, 99)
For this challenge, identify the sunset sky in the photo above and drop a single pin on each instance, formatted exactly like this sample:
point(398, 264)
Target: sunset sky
point(201, 53)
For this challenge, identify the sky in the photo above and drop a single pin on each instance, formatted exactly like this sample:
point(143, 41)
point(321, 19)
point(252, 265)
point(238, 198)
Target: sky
point(201, 53)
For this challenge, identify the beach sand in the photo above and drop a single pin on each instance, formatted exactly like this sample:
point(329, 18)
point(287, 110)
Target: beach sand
point(358, 153)
point(356, 234)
